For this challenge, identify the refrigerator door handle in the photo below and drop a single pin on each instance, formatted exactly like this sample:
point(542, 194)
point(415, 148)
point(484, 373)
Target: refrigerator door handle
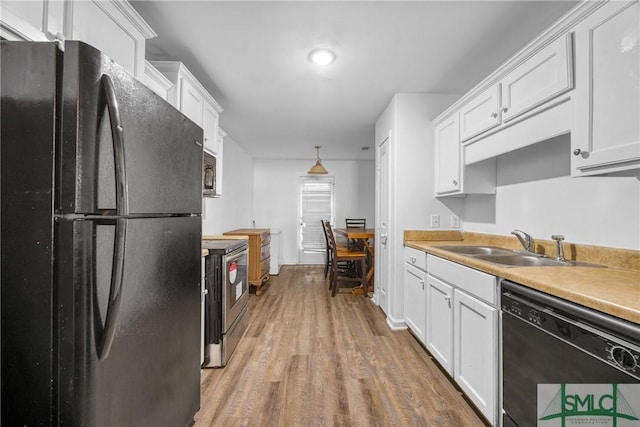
point(115, 291)
point(117, 132)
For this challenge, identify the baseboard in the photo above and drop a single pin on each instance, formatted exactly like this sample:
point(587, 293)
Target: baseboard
point(396, 325)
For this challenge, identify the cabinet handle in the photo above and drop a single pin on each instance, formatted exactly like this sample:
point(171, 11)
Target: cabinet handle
point(494, 115)
point(455, 182)
point(505, 109)
point(578, 152)
point(447, 298)
point(413, 259)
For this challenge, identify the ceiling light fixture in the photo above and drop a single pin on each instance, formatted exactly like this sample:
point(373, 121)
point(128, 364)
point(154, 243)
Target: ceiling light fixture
point(318, 169)
point(322, 56)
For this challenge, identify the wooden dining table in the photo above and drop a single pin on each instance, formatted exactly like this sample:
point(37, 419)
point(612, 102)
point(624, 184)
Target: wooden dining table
point(366, 236)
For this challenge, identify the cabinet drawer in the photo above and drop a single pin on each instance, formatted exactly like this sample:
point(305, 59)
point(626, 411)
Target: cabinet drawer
point(415, 257)
point(265, 252)
point(474, 282)
point(264, 266)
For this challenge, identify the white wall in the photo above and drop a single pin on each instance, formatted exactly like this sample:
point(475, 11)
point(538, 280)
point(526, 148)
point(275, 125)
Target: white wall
point(276, 198)
point(536, 193)
point(411, 202)
point(234, 208)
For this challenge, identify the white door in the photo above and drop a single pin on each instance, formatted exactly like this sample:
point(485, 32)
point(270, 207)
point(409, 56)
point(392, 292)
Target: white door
point(439, 320)
point(475, 357)
point(382, 226)
point(447, 153)
point(414, 300)
point(316, 203)
point(607, 135)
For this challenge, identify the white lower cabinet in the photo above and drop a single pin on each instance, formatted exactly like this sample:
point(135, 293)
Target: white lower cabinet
point(415, 277)
point(462, 330)
point(476, 356)
point(440, 322)
point(414, 302)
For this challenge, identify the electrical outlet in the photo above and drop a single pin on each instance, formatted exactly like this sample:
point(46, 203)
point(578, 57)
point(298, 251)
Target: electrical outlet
point(455, 221)
point(435, 221)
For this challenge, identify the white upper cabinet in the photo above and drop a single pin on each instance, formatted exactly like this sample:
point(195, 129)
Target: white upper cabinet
point(190, 97)
point(447, 156)
point(452, 177)
point(606, 138)
point(191, 101)
point(539, 78)
point(210, 124)
point(544, 76)
point(480, 114)
point(111, 26)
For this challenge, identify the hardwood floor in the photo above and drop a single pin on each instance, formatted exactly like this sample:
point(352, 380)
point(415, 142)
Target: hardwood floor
point(311, 360)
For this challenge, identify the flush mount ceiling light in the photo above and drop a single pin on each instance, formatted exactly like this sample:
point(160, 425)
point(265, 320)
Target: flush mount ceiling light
point(318, 169)
point(322, 56)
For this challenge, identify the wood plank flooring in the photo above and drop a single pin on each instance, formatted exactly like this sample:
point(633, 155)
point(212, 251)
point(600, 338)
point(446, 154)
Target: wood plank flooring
point(311, 360)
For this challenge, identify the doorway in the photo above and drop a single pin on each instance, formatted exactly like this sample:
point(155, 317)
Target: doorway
point(317, 201)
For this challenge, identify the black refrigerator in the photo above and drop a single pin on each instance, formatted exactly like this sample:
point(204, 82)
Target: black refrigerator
point(100, 244)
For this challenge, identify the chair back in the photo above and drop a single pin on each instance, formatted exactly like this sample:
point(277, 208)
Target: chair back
point(356, 222)
point(331, 240)
point(324, 230)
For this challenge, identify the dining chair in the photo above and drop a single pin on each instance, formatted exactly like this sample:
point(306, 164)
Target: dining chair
point(355, 223)
point(345, 256)
point(342, 265)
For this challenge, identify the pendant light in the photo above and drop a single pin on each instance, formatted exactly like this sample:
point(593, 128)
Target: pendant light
point(318, 169)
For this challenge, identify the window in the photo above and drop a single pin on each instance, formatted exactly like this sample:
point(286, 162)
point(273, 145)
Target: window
point(316, 203)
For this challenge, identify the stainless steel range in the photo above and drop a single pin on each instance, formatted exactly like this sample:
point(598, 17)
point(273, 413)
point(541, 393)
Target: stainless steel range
point(226, 300)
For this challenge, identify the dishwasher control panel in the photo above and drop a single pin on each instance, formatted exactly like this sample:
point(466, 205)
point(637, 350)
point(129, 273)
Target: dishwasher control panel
point(570, 326)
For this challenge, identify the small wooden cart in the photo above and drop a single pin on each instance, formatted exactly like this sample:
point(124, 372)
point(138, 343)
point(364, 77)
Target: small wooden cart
point(259, 254)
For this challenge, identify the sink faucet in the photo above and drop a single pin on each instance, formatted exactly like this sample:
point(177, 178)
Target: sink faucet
point(525, 239)
point(560, 254)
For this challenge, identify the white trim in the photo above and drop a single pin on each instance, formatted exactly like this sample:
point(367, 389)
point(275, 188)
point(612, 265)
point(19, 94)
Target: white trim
point(159, 78)
point(14, 28)
point(134, 18)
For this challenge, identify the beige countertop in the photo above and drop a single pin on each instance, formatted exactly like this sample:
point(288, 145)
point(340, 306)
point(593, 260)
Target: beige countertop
point(614, 290)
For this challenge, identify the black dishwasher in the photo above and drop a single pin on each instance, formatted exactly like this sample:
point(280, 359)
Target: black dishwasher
point(563, 346)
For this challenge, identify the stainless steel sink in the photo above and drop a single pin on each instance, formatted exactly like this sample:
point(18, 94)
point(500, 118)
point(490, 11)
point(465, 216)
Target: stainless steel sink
point(520, 260)
point(475, 250)
point(509, 258)
point(523, 260)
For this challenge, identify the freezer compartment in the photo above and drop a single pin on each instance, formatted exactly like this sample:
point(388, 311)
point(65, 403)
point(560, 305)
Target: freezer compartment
point(118, 136)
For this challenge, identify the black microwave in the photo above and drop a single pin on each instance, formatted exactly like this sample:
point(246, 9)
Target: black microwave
point(209, 176)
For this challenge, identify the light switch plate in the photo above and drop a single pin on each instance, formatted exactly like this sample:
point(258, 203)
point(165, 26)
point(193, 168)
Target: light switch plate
point(455, 221)
point(435, 221)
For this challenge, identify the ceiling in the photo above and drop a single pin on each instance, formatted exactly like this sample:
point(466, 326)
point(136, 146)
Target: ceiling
point(252, 56)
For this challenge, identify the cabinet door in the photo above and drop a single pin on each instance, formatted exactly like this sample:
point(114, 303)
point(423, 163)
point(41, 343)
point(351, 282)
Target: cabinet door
point(439, 321)
point(476, 355)
point(542, 77)
point(415, 300)
point(210, 128)
point(447, 156)
point(480, 114)
point(191, 101)
point(607, 136)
